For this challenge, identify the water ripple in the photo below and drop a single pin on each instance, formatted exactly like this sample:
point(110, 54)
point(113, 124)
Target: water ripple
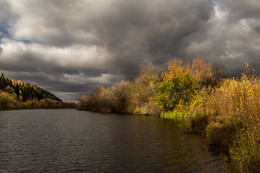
point(75, 141)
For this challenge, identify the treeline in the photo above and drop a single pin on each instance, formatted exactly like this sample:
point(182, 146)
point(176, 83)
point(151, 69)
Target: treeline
point(126, 97)
point(226, 111)
point(154, 90)
point(25, 91)
point(15, 94)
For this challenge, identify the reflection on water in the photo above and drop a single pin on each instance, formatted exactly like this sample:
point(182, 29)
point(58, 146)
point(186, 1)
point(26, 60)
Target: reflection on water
point(76, 141)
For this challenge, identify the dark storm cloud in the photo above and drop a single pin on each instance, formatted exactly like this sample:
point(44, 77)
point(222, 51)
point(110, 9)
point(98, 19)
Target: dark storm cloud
point(230, 36)
point(72, 47)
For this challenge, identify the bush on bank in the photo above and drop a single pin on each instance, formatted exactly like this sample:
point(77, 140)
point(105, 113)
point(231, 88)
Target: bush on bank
point(233, 119)
point(226, 111)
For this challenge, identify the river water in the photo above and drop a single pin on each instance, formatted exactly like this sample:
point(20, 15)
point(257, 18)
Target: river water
point(68, 140)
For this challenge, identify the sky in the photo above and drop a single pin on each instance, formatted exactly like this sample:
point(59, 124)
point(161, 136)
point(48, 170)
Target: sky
point(72, 47)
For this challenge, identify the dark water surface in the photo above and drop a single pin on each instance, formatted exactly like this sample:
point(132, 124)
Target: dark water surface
point(78, 141)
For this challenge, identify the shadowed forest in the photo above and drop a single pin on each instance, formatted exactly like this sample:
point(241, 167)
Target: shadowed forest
point(225, 110)
point(15, 94)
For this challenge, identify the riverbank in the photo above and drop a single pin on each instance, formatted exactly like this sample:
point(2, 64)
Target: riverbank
point(226, 111)
point(228, 116)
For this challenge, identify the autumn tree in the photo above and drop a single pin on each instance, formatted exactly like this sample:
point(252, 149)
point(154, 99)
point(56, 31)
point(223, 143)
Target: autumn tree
point(176, 89)
point(202, 72)
point(144, 90)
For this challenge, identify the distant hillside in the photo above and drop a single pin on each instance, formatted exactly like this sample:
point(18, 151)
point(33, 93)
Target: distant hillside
point(25, 91)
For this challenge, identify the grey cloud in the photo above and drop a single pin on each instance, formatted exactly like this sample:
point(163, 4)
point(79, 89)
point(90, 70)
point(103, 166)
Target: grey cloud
point(241, 9)
point(76, 46)
point(229, 37)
